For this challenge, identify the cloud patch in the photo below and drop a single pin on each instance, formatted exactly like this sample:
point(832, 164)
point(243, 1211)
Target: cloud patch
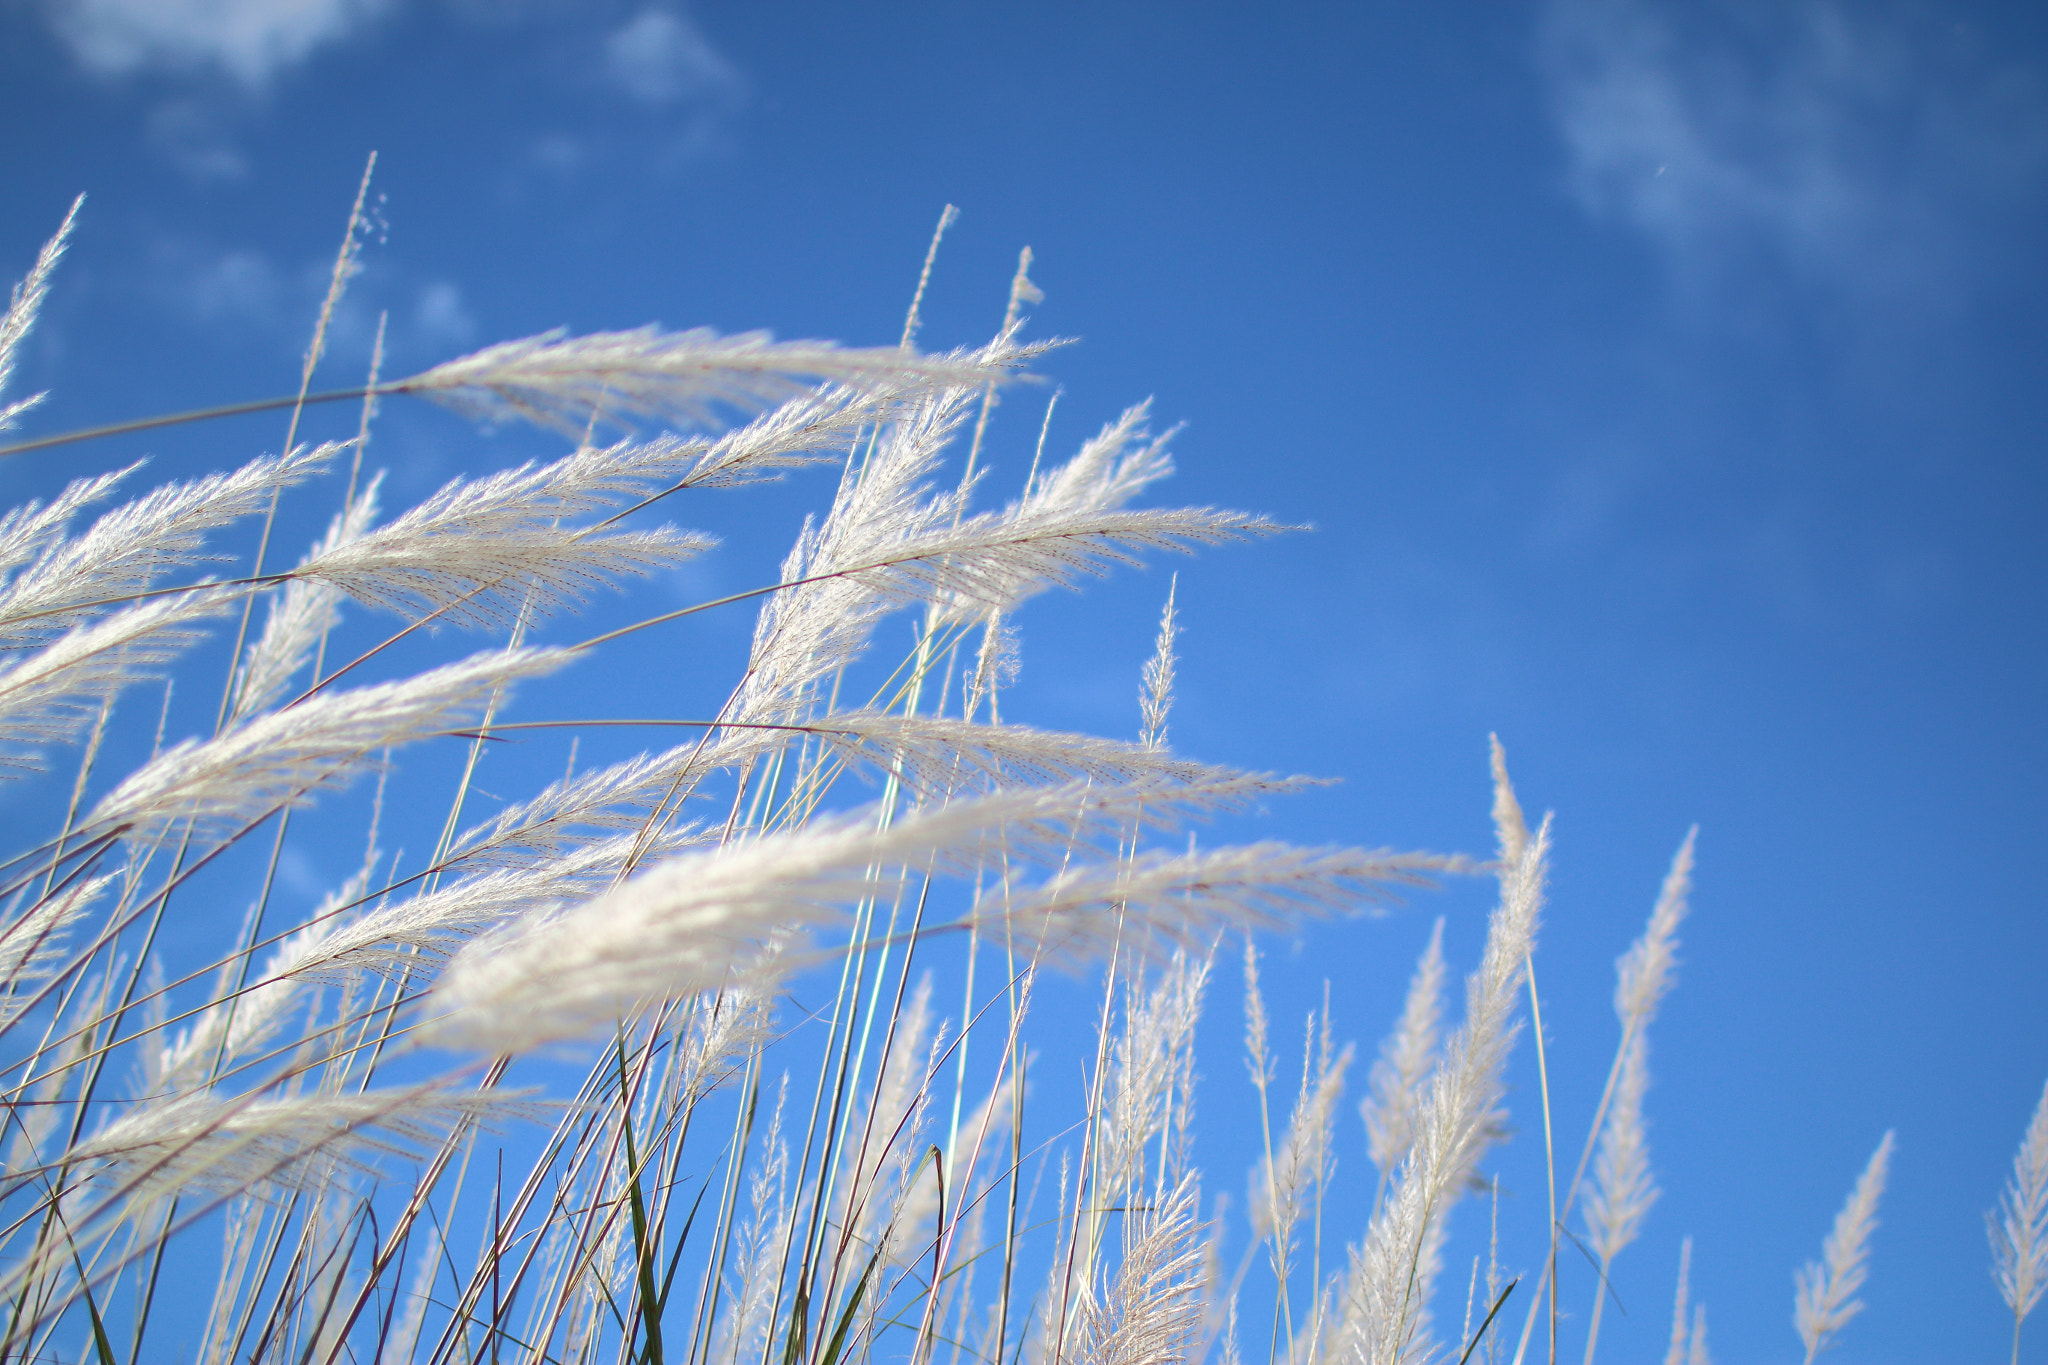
point(250, 40)
point(660, 57)
point(1863, 146)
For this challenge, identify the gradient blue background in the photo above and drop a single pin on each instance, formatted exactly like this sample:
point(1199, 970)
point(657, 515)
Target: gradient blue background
point(1664, 383)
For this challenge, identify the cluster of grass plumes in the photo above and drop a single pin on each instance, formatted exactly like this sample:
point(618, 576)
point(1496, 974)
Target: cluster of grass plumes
point(352, 1125)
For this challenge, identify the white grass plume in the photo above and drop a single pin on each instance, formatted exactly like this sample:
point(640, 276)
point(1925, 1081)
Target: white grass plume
point(1644, 975)
point(1405, 1060)
point(51, 695)
point(301, 614)
point(28, 530)
point(1151, 1310)
point(939, 755)
point(1623, 1188)
point(560, 381)
point(2019, 1234)
point(1384, 1304)
point(33, 946)
point(22, 309)
point(1675, 1354)
point(1155, 698)
point(1825, 1298)
point(411, 937)
point(685, 924)
point(127, 549)
point(478, 547)
point(1303, 1162)
point(278, 758)
point(205, 1143)
point(1155, 901)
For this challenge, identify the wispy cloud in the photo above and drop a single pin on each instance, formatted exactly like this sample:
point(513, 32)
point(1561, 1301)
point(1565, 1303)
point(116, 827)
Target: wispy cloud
point(660, 57)
point(1863, 146)
point(250, 40)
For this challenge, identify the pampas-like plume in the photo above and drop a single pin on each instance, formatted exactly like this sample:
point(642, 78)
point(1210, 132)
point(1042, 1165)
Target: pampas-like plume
point(1384, 1302)
point(1405, 1060)
point(1156, 901)
point(300, 615)
point(1151, 1311)
point(412, 937)
point(1156, 698)
point(126, 549)
point(33, 946)
point(1303, 1162)
point(26, 531)
point(1643, 975)
point(278, 758)
point(939, 755)
point(1623, 1188)
point(2019, 1236)
point(561, 381)
point(22, 310)
point(1675, 1354)
point(688, 923)
point(1825, 1298)
point(478, 544)
point(204, 1143)
point(51, 695)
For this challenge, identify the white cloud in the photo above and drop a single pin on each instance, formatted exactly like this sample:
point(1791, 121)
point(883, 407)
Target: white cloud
point(251, 40)
point(1856, 145)
point(440, 318)
point(660, 57)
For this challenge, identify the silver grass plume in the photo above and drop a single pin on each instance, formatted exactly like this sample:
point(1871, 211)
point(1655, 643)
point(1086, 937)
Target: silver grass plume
point(1150, 1312)
point(411, 938)
point(575, 811)
point(686, 924)
point(52, 694)
point(28, 530)
point(940, 755)
point(1121, 461)
point(560, 381)
point(127, 549)
point(2019, 1235)
point(480, 547)
point(1151, 1063)
point(205, 1143)
point(22, 309)
point(300, 616)
point(278, 758)
point(1623, 1188)
point(1511, 829)
point(232, 1027)
point(1304, 1161)
point(1154, 901)
point(1384, 1304)
point(1696, 1349)
point(1405, 1060)
point(743, 1331)
point(1644, 974)
point(1675, 1355)
point(32, 947)
point(806, 631)
point(1156, 698)
point(1825, 1298)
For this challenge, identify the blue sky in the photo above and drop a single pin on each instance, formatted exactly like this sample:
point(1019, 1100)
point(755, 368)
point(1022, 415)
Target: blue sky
point(1663, 382)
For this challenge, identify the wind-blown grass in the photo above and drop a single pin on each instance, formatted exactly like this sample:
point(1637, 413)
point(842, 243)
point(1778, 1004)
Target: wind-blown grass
point(651, 1063)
